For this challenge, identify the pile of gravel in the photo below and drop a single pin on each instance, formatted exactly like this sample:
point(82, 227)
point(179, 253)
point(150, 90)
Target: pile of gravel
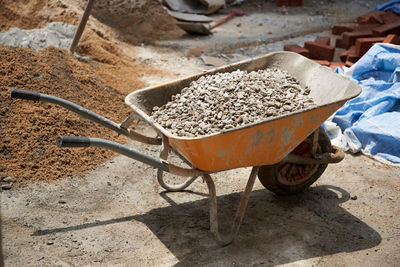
point(55, 34)
point(227, 100)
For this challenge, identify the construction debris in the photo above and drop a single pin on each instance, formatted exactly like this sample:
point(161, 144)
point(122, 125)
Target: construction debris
point(205, 28)
point(356, 39)
point(190, 17)
point(186, 6)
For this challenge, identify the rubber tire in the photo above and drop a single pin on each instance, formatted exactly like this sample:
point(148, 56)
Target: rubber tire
point(268, 174)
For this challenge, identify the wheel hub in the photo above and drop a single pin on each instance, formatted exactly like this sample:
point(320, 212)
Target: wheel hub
point(293, 174)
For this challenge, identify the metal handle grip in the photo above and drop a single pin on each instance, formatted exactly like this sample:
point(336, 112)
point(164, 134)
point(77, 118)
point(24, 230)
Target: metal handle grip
point(27, 95)
point(73, 141)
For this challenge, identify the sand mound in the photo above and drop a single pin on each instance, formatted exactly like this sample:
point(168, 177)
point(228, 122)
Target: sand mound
point(134, 21)
point(28, 130)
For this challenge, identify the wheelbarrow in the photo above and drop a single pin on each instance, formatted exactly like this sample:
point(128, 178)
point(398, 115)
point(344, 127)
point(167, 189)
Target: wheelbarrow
point(288, 152)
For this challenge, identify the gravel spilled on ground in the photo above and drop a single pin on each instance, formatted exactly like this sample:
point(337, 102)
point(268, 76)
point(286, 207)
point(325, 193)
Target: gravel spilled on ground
point(228, 100)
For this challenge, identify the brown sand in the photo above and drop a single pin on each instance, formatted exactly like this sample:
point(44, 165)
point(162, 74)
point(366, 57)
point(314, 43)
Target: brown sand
point(131, 21)
point(29, 130)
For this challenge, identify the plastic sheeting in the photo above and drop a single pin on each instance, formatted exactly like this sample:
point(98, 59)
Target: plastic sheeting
point(370, 123)
point(393, 6)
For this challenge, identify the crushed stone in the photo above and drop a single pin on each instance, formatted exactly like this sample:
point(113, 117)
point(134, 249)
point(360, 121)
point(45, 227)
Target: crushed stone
point(225, 101)
point(55, 34)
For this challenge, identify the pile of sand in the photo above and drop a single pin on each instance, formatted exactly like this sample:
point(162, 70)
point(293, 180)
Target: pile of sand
point(135, 21)
point(28, 129)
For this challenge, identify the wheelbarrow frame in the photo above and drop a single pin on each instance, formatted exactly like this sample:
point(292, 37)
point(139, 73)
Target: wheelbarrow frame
point(164, 139)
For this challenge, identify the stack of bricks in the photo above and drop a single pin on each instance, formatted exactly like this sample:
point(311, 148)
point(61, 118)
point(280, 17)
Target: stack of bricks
point(319, 50)
point(371, 28)
point(356, 39)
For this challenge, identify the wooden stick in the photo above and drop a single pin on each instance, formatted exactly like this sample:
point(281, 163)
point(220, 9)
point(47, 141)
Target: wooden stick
point(81, 26)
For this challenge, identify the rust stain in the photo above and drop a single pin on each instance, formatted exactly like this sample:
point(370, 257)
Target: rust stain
point(286, 135)
point(314, 119)
point(271, 135)
point(298, 121)
point(256, 138)
point(229, 156)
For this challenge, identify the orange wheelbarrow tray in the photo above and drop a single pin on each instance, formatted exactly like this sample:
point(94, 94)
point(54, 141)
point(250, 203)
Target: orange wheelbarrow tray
point(274, 147)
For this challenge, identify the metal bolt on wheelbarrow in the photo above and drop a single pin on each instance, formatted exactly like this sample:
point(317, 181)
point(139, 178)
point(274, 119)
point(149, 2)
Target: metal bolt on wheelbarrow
point(288, 153)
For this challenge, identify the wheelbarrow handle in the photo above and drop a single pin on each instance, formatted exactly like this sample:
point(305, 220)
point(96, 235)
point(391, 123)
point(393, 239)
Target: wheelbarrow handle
point(73, 141)
point(81, 141)
point(27, 95)
point(83, 112)
point(16, 93)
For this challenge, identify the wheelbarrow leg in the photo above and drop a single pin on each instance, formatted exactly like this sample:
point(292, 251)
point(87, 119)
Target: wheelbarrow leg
point(314, 143)
point(172, 188)
point(223, 241)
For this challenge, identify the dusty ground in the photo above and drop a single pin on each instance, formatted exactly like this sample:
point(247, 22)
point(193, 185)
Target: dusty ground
point(117, 214)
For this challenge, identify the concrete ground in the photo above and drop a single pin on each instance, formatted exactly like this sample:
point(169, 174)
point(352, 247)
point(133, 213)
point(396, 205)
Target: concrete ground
point(119, 215)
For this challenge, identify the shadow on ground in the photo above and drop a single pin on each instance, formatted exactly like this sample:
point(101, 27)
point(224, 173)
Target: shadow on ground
point(275, 230)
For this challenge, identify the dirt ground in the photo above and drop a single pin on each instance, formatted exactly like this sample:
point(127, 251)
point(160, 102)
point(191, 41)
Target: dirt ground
point(119, 215)
point(115, 213)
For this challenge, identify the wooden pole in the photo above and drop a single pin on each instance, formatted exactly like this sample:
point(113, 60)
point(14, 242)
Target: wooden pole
point(81, 26)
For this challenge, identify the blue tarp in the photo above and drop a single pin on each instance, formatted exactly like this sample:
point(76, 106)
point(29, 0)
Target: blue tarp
point(393, 5)
point(371, 121)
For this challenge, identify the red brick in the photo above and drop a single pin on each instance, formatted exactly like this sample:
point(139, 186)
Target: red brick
point(289, 2)
point(351, 53)
point(334, 65)
point(392, 39)
point(320, 51)
point(390, 17)
point(366, 27)
point(386, 29)
point(297, 49)
point(340, 42)
point(349, 38)
point(343, 55)
point(341, 28)
point(322, 62)
point(296, 3)
point(364, 44)
point(371, 18)
point(323, 40)
point(352, 58)
point(348, 63)
point(282, 2)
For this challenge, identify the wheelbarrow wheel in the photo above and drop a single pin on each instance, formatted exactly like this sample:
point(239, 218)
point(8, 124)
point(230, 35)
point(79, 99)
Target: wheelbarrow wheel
point(286, 178)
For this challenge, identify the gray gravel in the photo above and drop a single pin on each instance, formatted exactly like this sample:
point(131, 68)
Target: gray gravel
point(55, 34)
point(8, 179)
point(227, 100)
